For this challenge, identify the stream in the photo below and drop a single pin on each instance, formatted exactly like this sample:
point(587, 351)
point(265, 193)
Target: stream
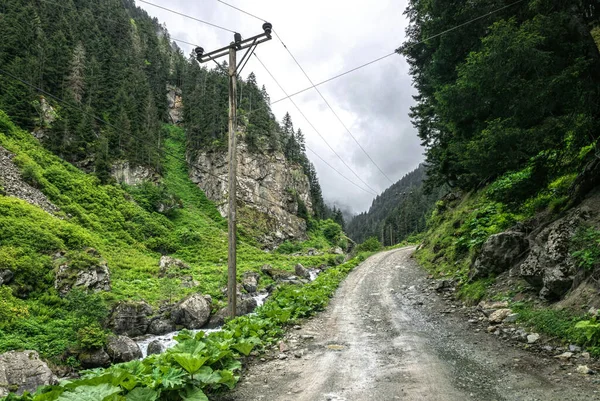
point(168, 341)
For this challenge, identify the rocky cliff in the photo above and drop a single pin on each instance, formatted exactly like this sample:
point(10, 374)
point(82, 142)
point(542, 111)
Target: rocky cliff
point(270, 191)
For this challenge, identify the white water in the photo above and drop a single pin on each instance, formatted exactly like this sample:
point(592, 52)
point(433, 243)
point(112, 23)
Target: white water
point(167, 340)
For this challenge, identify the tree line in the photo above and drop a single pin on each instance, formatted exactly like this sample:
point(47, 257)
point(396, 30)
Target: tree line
point(398, 212)
point(112, 60)
point(517, 89)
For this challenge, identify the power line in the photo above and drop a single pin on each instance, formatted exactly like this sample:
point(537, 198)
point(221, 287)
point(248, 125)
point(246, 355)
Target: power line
point(71, 106)
point(333, 111)
point(186, 16)
point(336, 76)
point(107, 123)
point(397, 51)
point(318, 133)
point(196, 19)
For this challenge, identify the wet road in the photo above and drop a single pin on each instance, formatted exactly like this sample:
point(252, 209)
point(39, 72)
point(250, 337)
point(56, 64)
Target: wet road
point(385, 336)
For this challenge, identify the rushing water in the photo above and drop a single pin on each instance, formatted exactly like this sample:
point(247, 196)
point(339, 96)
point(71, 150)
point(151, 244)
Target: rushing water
point(168, 341)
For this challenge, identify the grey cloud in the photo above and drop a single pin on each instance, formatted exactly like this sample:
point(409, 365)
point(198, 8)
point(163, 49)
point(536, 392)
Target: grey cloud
point(327, 38)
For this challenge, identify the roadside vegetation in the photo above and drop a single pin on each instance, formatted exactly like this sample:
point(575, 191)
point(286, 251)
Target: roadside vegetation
point(202, 364)
point(124, 226)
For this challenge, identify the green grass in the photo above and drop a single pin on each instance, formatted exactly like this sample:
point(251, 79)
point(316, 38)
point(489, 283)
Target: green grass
point(122, 224)
point(204, 364)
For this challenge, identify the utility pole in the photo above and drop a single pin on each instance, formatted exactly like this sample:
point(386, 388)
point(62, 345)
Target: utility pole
point(234, 71)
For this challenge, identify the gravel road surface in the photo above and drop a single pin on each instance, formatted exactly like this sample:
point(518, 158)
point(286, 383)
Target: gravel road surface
point(386, 336)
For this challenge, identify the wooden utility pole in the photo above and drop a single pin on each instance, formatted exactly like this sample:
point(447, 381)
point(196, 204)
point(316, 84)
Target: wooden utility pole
point(234, 71)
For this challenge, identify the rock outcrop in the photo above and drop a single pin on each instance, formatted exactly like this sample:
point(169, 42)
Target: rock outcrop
point(192, 312)
point(122, 349)
point(6, 276)
point(130, 318)
point(269, 188)
point(549, 265)
point(174, 97)
point(250, 281)
point(94, 359)
point(171, 267)
point(499, 253)
point(93, 278)
point(23, 371)
point(12, 184)
point(126, 173)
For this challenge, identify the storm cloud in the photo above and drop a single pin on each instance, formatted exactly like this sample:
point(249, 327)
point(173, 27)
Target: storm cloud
point(327, 37)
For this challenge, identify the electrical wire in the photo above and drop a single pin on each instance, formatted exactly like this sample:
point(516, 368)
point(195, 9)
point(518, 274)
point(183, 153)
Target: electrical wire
point(186, 16)
point(374, 192)
point(71, 106)
point(397, 51)
point(333, 111)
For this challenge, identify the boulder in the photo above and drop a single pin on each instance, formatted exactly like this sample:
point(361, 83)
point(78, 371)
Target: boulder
point(171, 267)
point(499, 253)
point(499, 315)
point(155, 347)
point(130, 318)
point(242, 307)
point(22, 371)
point(336, 250)
point(250, 281)
point(95, 277)
point(94, 359)
point(122, 349)
point(301, 271)
point(161, 325)
point(549, 266)
point(6, 276)
point(188, 282)
point(192, 312)
point(277, 274)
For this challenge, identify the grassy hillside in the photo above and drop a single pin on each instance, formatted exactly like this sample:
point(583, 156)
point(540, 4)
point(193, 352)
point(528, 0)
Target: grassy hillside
point(122, 225)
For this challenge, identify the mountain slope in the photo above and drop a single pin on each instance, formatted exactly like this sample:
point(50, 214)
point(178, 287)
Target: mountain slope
point(125, 235)
point(401, 210)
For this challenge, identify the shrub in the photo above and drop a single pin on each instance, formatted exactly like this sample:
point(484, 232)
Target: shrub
point(331, 230)
point(289, 247)
point(11, 308)
point(515, 186)
point(585, 247)
point(371, 244)
point(91, 337)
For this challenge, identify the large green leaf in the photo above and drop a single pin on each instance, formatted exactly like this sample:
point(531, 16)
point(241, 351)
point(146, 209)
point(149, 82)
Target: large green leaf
point(142, 394)
point(194, 395)
point(244, 347)
point(90, 393)
point(189, 362)
point(207, 376)
point(188, 347)
point(228, 378)
point(172, 378)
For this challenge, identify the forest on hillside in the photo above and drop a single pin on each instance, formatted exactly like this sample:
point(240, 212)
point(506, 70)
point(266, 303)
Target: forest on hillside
point(104, 67)
point(518, 90)
point(398, 212)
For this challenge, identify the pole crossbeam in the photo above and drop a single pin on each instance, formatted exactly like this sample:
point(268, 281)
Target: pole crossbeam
point(233, 72)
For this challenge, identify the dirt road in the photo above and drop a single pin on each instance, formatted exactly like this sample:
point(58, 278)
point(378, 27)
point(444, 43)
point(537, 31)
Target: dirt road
point(385, 337)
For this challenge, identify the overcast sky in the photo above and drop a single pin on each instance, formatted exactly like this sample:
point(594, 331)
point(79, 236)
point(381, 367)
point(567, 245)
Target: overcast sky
point(327, 37)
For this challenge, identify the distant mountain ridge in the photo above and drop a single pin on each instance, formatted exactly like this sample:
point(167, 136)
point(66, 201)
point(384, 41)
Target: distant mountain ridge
point(401, 210)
